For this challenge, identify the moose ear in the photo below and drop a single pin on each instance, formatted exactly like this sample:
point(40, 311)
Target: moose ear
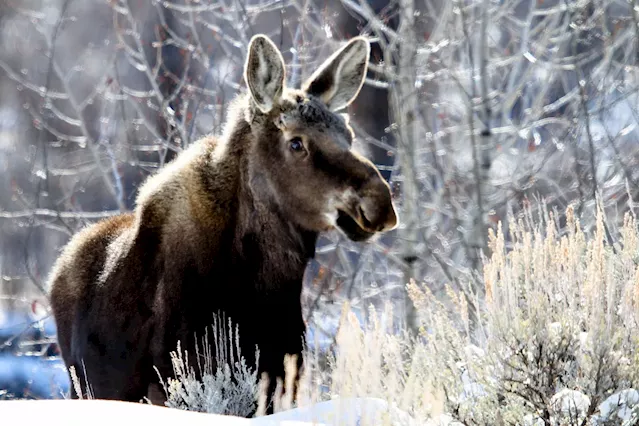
point(339, 79)
point(264, 72)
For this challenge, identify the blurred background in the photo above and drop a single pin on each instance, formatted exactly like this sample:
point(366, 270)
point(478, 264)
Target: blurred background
point(474, 110)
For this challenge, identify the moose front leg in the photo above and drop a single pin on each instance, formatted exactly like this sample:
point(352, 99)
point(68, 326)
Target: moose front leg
point(273, 356)
point(274, 371)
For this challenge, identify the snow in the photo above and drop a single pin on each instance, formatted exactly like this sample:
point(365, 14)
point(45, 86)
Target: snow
point(347, 411)
point(621, 402)
point(82, 412)
point(531, 420)
point(570, 404)
point(54, 412)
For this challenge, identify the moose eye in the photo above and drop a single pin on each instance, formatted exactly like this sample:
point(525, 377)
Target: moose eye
point(296, 144)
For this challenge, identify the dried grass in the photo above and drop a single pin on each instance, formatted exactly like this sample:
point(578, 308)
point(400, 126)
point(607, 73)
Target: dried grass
point(557, 335)
point(225, 383)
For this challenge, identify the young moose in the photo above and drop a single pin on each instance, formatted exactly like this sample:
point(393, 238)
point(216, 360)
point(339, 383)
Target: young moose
point(229, 227)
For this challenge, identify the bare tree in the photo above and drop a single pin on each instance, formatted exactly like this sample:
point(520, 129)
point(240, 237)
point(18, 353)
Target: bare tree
point(497, 104)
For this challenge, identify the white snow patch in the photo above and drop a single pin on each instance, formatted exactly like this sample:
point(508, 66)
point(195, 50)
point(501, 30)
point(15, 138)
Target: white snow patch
point(54, 412)
point(531, 420)
point(622, 402)
point(570, 404)
point(347, 411)
point(81, 412)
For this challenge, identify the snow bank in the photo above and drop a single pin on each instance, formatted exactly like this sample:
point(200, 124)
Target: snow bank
point(345, 411)
point(619, 405)
point(82, 412)
point(54, 412)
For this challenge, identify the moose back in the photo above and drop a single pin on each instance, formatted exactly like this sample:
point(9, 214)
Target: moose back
point(228, 226)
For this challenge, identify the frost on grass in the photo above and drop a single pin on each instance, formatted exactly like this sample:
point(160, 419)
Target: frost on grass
point(554, 340)
point(558, 328)
point(390, 370)
point(225, 383)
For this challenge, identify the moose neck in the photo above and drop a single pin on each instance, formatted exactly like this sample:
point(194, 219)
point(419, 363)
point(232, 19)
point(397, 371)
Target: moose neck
point(272, 245)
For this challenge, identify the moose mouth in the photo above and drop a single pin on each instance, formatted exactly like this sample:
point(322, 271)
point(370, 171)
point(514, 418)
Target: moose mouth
point(352, 228)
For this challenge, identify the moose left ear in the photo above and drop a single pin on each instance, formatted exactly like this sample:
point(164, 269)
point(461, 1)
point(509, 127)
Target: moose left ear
point(339, 79)
point(264, 72)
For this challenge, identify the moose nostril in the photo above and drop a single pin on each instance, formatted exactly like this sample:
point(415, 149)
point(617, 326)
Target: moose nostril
point(375, 207)
point(373, 222)
point(365, 220)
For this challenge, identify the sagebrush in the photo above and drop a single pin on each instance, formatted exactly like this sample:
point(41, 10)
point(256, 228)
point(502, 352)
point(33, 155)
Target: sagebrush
point(556, 340)
point(225, 384)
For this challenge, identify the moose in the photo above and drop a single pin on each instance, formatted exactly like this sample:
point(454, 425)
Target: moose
point(227, 226)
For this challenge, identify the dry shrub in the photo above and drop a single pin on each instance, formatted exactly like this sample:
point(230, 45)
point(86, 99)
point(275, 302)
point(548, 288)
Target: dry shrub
point(369, 361)
point(228, 386)
point(558, 332)
point(555, 341)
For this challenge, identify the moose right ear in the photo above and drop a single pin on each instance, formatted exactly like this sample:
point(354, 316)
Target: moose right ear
point(264, 72)
point(340, 78)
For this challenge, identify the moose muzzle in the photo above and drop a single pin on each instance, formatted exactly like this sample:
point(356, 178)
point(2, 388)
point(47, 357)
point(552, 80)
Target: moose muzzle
point(368, 211)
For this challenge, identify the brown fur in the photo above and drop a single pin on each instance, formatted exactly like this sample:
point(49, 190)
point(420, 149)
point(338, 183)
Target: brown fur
point(229, 227)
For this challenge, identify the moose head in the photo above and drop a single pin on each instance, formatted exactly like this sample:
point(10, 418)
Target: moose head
point(304, 156)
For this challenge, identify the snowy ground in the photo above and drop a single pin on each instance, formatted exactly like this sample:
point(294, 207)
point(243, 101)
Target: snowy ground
point(350, 411)
point(83, 412)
